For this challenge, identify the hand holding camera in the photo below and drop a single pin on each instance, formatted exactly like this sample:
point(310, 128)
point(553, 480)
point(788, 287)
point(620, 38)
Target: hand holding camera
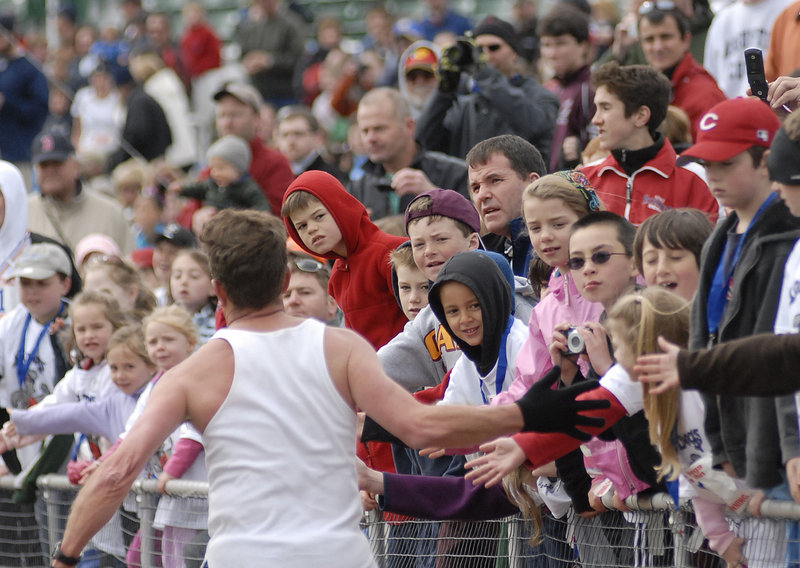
point(461, 57)
point(589, 338)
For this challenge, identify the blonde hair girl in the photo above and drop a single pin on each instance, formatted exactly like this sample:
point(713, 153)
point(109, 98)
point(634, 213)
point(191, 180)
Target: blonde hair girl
point(113, 275)
point(635, 322)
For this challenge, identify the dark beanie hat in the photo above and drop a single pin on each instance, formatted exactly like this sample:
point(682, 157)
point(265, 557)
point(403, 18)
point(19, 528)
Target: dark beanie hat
point(493, 25)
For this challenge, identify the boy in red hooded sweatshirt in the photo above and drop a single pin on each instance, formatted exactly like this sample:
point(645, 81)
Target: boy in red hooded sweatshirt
point(325, 220)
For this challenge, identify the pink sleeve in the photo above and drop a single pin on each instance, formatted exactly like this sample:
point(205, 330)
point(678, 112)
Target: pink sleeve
point(533, 361)
point(110, 451)
point(711, 520)
point(183, 456)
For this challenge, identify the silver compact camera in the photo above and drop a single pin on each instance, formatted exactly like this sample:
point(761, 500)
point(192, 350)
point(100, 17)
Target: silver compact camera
point(575, 343)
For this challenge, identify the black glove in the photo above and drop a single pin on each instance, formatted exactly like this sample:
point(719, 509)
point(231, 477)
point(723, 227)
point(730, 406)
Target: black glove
point(449, 70)
point(548, 410)
point(448, 80)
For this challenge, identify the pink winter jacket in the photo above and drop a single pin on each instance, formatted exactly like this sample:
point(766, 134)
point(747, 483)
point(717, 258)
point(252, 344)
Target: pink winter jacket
point(563, 303)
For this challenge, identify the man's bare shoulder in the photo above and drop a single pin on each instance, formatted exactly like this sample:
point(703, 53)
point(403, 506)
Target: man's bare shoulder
point(342, 348)
point(204, 379)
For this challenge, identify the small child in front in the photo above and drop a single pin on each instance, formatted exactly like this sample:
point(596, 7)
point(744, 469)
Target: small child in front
point(411, 285)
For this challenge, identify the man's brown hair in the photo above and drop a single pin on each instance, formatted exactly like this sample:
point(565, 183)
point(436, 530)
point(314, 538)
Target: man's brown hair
point(247, 252)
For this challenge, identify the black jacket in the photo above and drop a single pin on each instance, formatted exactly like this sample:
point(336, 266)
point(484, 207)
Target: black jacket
point(756, 435)
point(146, 129)
point(521, 105)
point(373, 188)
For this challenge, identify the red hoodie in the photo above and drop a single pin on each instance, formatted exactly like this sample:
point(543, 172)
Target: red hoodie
point(362, 282)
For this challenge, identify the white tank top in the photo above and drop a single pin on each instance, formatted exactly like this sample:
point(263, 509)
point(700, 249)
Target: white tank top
point(280, 453)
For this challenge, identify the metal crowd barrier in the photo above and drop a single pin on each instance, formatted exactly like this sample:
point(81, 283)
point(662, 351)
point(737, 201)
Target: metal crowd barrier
point(654, 533)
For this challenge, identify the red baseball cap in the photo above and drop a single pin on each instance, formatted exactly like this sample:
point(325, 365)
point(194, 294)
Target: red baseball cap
point(731, 127)
point(421, 58)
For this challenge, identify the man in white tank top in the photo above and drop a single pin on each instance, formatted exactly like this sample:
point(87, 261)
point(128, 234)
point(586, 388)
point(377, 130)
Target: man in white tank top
point(275, 397)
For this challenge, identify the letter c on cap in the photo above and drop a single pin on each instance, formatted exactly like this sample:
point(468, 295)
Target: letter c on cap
point(708, 121)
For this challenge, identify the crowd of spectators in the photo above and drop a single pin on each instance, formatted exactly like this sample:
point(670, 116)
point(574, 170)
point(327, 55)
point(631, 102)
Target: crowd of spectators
point(120, 144)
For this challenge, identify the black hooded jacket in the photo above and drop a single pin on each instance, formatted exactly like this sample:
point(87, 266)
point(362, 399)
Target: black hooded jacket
point(478, 272)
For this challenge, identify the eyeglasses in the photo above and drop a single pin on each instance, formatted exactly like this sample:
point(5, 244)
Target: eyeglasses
point(308, 264)
point(491, 47)
point(660, 5)
point(600, 257)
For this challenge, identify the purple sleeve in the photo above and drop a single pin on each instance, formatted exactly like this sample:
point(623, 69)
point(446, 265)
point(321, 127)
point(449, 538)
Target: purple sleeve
point(444, 498)
point(105, 417)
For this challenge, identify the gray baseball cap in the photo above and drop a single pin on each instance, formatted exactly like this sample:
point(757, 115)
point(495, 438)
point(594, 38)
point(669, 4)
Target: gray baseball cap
point(41, 261)
point(243, 92)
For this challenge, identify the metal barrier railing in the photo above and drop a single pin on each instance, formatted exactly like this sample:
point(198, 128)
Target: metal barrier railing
point(653, 534)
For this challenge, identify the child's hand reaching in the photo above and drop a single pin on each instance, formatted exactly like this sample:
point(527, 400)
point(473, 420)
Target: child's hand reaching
point(162, 482)
point(503, 456)
point(368, 501)
point(88, 471)
point(733, 555)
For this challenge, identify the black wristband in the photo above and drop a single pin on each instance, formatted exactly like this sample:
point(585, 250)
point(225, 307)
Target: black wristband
point(63, 558)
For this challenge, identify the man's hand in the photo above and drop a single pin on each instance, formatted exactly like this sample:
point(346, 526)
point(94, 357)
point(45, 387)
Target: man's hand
point(659, 369)
point(410, 181)
point(547, 410)
point(502, 456)
point(256, 61)
point(784, 91)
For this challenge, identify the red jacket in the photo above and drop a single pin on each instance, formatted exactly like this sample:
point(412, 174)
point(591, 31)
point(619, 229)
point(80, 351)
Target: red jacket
point(694, 90)
point(657, 186)
point(362, 282)
point(272, 172)
point(200, 49)
point(541, 448)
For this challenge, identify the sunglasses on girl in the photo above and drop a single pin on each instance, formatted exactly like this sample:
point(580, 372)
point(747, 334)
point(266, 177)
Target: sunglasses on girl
point(600, 257)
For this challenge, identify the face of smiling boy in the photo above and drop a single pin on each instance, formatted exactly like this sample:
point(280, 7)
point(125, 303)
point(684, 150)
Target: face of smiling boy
point(463, 312)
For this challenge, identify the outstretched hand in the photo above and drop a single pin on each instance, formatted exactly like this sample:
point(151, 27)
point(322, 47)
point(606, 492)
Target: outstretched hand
point(659, 369)
point(502, 456)
point(547, 410)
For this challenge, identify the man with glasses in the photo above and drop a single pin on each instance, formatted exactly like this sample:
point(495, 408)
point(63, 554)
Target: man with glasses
point(302, 141)
point(665, 38)
point(500, 100)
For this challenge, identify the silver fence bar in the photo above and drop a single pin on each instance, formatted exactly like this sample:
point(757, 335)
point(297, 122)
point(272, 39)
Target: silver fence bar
point(512, 549)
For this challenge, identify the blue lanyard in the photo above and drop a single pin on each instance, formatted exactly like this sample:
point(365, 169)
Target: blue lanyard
point(718, 293)
point(502, 363)
point(23, 362)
